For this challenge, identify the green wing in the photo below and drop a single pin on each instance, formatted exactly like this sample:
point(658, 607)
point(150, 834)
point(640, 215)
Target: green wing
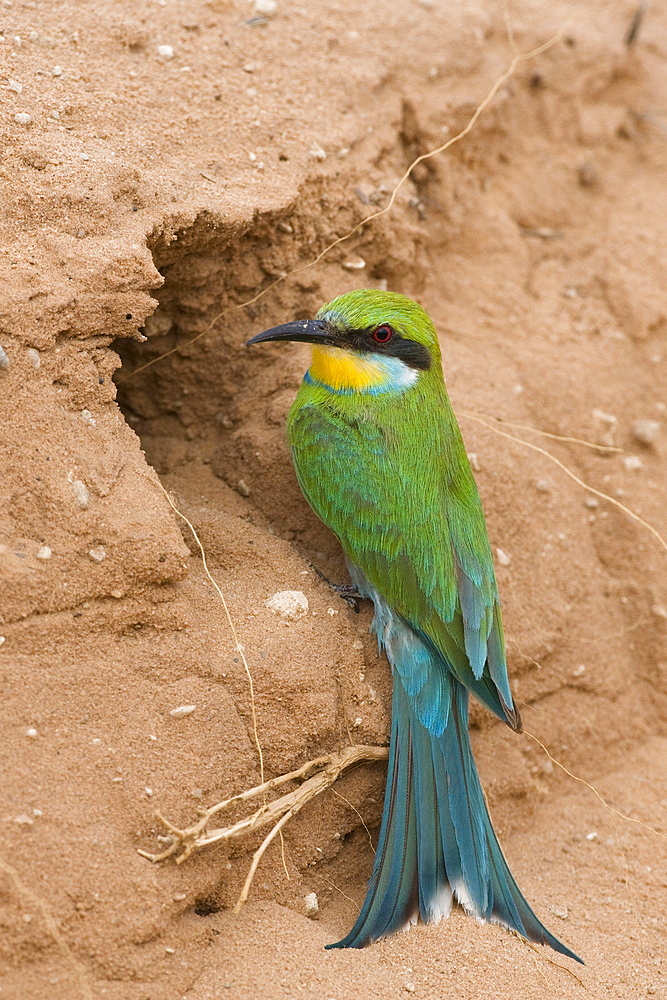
point(395, 486)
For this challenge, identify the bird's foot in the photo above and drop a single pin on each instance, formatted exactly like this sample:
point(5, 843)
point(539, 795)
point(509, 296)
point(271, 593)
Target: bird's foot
point(347, 591)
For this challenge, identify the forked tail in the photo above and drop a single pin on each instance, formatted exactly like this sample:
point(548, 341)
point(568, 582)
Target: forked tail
point(436, 838)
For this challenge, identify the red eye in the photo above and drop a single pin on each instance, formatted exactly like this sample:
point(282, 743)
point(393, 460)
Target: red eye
point(382, 334)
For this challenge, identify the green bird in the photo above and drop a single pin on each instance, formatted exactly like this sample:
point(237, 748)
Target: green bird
point(380, 459)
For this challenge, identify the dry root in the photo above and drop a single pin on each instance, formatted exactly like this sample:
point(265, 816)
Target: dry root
point(317, 775)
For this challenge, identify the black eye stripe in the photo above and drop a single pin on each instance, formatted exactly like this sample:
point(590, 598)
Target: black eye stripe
point(413, 354)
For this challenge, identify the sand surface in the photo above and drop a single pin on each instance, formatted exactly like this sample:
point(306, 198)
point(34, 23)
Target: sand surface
point(146, 191)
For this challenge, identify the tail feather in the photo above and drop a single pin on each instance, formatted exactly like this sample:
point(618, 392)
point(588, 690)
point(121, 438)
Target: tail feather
point(392, 895)
point(436, 836)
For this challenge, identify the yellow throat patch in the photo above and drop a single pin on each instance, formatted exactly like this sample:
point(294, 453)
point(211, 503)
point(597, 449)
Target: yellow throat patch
point(341, 369)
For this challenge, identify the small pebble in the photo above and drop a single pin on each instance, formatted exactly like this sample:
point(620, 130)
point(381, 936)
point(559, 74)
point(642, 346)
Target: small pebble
point(561, 911)
point(646, 431)
point(410, 987)
point(81, 494)
point(57, 71)
point(182, 711)
point(265, 7)
point(148, 791)
point(632, 463)
point(4, 360)
point(354, 264)
point(178, 897)
point(592, 836)
point(31, 733)
point(503, 558)
point(474, 461)
point(317, 152)
point(243, 488)
point(659, 610)
point(288, 604)
point(22, 118)
point(542, 485)
point(578, 671)
point(44, 552)
point(15, 85)
point(312, 905)
point(357, 722)
point(591, 502)
point(165, 51)
point(88, 418)
point(98, 554)
point(34, 358)
point(117, 594)
point(170, 951)
point(3, 640)
point(24, 820)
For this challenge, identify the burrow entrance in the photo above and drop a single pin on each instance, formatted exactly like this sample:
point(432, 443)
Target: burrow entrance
point(210, 401)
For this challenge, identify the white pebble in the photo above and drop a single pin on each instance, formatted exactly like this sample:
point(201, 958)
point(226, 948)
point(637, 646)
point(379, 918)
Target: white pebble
point(474, 461)
point(88, 418)
point(3, 639)
point(22, 118)
point(317, 152)
point(24, 820)
point(15, 85)
point(31, 733)
point(57, 71)
point(265, 7)
point(632, 463)
point(357, 722)
point(503, 558)
point(243, 488)
point(561, 912)
point(117, 594)
point(591, 502)
point(288, 604)
point(98, 554)
point(81, 494)
point(44, 552)
point(165, 51)
point(646, 431)
point(312, 905)
point(592, 836)
point(659, 610)
point(34, 358)
point(354, 264)
point(182, 711)
point(4, 360)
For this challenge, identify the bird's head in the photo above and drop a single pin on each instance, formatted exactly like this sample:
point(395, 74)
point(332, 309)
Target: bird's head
point(365, 341)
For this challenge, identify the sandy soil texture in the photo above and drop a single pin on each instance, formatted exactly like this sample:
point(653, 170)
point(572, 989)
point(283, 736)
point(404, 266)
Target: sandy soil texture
point(163, 162)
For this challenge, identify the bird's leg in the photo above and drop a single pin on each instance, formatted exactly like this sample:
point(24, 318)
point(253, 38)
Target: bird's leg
point(347, 591)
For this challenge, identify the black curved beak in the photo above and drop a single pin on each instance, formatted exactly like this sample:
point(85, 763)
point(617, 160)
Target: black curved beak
point(309, 331)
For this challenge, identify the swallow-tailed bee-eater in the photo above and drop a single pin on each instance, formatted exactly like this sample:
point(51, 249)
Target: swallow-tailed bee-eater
point(379, 456)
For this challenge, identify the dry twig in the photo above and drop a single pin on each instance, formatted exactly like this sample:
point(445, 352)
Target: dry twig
point(276, 814)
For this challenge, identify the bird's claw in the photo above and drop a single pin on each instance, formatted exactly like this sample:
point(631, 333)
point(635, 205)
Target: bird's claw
point(347, 591)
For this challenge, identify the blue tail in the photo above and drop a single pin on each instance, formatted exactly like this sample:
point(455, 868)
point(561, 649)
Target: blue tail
point(436, 839)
